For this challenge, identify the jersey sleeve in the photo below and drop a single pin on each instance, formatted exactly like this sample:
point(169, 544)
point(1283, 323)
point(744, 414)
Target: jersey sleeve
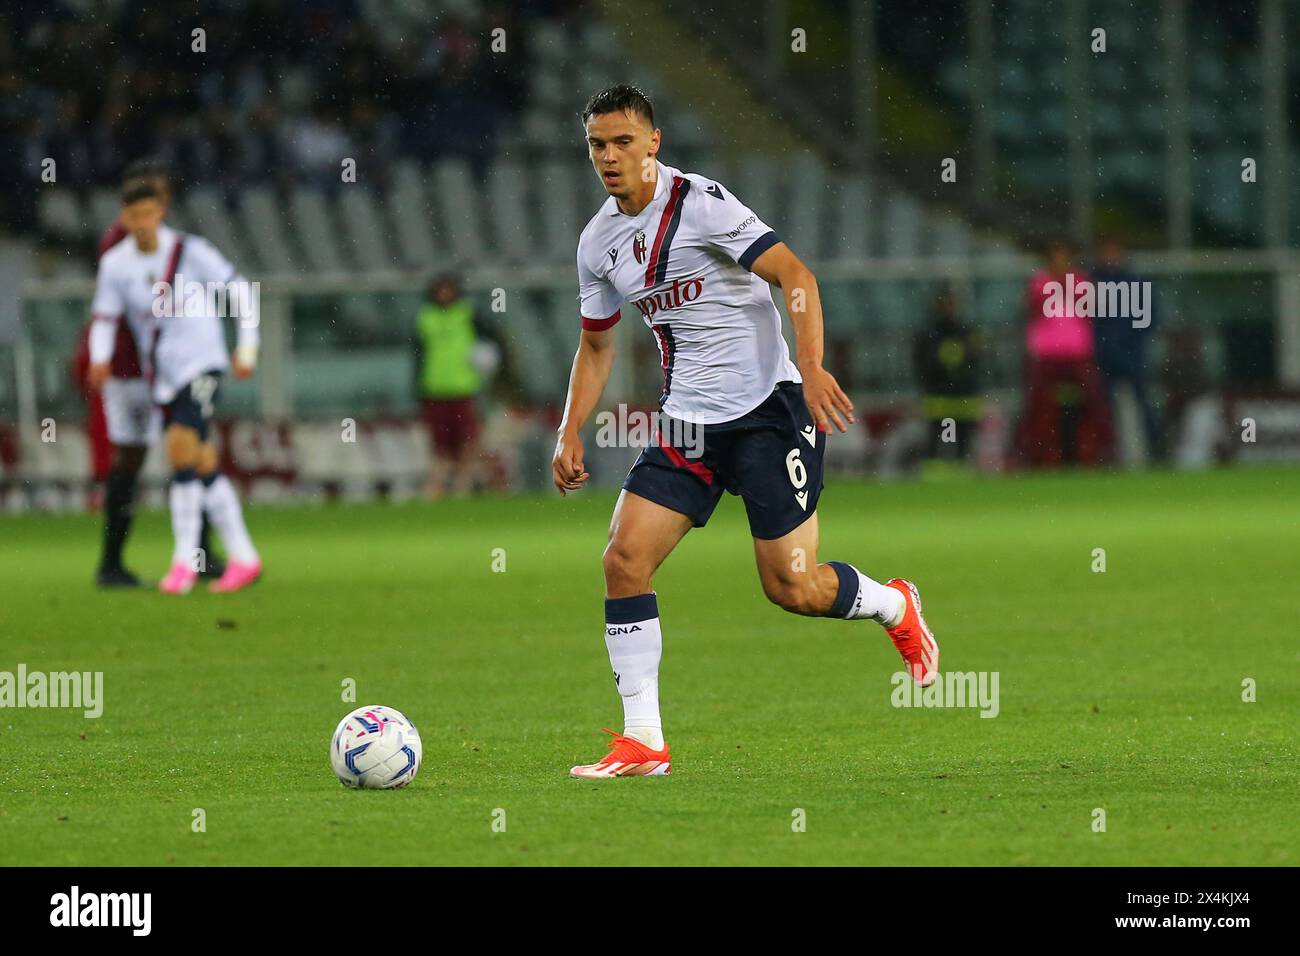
point(729, 226)
point(108, 302)
point(601, 305)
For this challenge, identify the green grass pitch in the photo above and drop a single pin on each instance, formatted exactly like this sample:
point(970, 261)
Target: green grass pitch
point(1119, 690)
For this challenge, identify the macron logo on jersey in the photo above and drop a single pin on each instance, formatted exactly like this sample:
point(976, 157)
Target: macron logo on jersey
point(673, 297)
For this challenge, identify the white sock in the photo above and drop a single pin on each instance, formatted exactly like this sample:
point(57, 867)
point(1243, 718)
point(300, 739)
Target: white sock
point(635, 645)
point(221, 503)
point(865, 598)
point(186, 500)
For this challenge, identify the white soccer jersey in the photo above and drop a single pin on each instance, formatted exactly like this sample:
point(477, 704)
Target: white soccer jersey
point(684, 262)
point(188, 340)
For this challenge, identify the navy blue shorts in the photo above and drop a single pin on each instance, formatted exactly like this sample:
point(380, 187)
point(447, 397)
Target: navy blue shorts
point(194, 404)
point(771, 457)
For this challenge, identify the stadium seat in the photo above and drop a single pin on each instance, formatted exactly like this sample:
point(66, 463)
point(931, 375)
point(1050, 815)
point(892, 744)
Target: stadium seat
point(103, 209)
point(507, 192)
point(309, 212)
point(560, 220)
point(265, 224)
point(59, 213)
point(212, 220)
point(456, 195)
point(413, 218)
point(366, 242)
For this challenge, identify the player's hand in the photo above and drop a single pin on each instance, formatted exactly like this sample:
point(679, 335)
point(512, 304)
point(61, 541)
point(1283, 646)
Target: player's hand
point(241, 370)
point(98, 374)
point(826, 400)
point(567, 467)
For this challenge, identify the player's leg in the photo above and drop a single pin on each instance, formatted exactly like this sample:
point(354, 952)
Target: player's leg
point(130, 425)
point(793, 580)
point(641, 535)
point(221, 505)
point(435, 418)
point(662, 499)
point(466, 455)
point(185, 498)
point(777, 462)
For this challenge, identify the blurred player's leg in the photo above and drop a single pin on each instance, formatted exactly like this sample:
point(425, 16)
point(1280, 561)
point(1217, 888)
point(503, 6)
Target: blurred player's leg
point(641, 535)
point(221, 504)
point(186, 501)
point(119, 508)
point(131, 423)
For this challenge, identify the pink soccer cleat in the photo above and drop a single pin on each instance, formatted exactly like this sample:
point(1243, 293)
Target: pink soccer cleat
point(237, 576)
point(180, 579)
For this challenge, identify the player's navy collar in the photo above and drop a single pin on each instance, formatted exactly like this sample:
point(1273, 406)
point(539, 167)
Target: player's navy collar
point(664, 176)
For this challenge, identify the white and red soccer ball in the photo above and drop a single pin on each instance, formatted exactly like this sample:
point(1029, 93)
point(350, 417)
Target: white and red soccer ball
point(376, 748)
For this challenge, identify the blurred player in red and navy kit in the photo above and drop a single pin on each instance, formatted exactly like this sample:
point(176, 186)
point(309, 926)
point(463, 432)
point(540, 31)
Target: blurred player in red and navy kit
point(699, 265)
point(122, 420)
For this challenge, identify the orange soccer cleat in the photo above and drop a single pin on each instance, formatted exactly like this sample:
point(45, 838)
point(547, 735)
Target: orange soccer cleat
point(626, 758)
point(912, 636)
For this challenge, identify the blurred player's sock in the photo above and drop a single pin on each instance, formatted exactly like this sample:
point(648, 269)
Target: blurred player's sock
point(860, 597)
point(222, 506)
point(186, 498)
point(635, 645)
point(119, 506)
point(213, 566)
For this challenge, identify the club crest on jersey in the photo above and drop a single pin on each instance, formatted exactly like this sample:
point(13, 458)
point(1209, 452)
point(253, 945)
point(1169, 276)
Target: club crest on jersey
point(638, 246)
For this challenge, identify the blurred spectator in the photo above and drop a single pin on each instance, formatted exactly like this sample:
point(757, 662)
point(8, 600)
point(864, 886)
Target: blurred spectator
point(944, 354)
point(1121, 348)
point(1064, 418)
point(282, 92)
point(449, 382)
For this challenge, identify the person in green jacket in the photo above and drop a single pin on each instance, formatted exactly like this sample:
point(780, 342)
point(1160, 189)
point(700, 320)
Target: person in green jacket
point(449, 383)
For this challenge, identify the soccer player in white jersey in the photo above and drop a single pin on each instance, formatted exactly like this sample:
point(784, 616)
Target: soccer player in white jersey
point(148, 278)
point(740, 415)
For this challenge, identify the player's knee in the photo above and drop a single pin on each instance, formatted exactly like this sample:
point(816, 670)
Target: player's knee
point(625, 572)
point(795, 594)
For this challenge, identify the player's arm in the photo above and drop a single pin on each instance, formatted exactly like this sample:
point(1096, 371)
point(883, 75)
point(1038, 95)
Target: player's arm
point(248, 336)
point(205, 262)
point(587, 379)
point(826, 400)
point(106, 311)
point(600, 306)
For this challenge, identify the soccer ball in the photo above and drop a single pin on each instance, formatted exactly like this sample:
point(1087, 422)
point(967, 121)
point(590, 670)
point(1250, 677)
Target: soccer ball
point(375, 748)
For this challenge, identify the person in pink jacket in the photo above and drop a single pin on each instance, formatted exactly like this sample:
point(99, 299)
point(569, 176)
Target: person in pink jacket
point(1065, 418)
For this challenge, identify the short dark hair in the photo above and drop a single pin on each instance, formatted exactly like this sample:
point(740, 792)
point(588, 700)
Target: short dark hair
point(147, 168)
point(134, 190)
point(623, 98)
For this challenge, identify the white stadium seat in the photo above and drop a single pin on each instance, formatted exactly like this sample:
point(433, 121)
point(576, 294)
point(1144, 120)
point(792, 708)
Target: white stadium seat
point(212, 220)
point(264, 224)
point(367, 244)
point(456, 196)
point(311, 217)
point(419, 238)
point(508, 207)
